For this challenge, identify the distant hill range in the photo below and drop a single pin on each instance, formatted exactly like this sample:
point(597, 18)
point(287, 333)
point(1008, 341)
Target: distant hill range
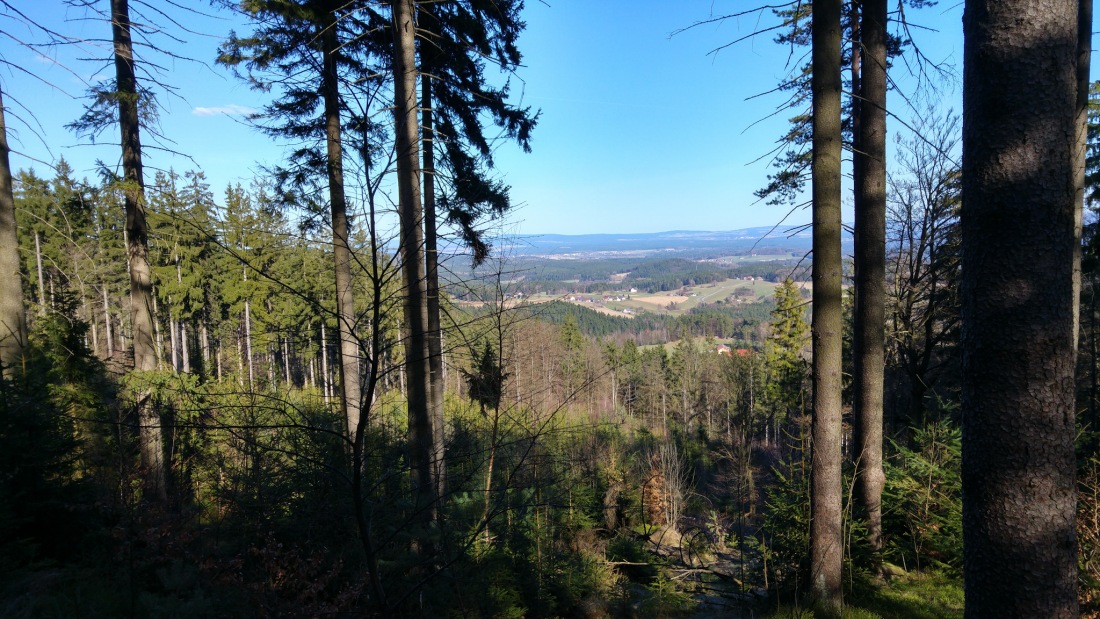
point(763, 240)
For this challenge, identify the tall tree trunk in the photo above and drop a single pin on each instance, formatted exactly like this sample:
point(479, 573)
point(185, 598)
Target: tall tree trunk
point(13, 315)
point(185, 355)
point(173, 341)
point(107, 323)
point(870, 266)
point(41, 277)
point(324, 364)
point(141, 283)
point(240, 360)
point(205, 335)
point(408, 183)
point(95, 330)
point(431, 263)
point(1019, 243)
point(826, 549)
point(248, 345)
point(185, 348)
point(351, 400)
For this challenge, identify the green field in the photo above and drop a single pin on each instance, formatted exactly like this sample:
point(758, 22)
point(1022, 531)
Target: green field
point(673, 302)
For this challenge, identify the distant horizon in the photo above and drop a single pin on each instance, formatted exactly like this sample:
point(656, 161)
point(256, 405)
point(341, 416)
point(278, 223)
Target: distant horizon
point(782, 229)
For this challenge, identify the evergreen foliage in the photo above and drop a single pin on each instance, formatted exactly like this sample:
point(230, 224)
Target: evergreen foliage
point(596, 465)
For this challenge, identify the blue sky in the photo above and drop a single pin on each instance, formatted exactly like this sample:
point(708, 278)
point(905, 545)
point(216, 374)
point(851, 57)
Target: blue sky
point(640, 131)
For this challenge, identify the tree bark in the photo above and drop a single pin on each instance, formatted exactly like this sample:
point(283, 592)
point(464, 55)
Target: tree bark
point(324, 363)
point(141, 283)
point(826, 549)
point(158, 338)
point(870, 267)
point(408, 181)
point(13, 314)
point(431, 263)
point(107, 324)
point(41, 277)
point(204, 335)
point(351, 395)
point(185, 349)
point(173, 341)
point(248, 344)
point(1018, 250)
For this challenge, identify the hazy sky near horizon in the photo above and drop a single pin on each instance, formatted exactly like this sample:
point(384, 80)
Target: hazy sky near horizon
point(640, 130)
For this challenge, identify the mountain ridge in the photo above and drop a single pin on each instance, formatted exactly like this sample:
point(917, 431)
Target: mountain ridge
point(761, 238)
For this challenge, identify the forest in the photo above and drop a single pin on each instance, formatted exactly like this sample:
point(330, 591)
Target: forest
point(264, 401)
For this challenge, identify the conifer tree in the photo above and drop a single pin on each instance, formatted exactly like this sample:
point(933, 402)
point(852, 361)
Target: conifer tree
point(317, 42)
point(783, 352)
point(826, 545)
point(869, 159)
point(410, 210)
point(1019, 224)
point(128, 105)
point(457, 37)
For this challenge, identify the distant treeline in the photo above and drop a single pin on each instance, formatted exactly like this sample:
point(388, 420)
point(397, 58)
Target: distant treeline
point(653, 275)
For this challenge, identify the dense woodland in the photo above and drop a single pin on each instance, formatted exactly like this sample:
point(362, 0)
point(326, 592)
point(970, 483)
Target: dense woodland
point(256, 401)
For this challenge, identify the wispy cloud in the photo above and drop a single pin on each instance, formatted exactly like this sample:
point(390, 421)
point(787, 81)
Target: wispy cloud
point(224, 110)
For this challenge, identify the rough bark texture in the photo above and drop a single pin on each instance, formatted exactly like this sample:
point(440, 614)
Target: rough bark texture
point(416, 319)
point(870, 285)
point(431, 266)
point(351, 397)
point(13, 316)
point(141, 281)
point(826, 551)
point(1018, 236)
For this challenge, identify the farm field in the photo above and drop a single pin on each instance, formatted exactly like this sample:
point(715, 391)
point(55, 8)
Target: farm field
point(617, 303)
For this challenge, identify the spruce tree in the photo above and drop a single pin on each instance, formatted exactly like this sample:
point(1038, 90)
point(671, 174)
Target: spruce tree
point(826, 543)
point(1019, 245)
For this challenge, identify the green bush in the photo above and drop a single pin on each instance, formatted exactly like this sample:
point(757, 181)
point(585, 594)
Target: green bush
point(922, 501)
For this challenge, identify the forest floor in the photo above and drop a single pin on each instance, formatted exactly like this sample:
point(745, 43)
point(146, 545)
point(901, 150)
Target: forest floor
point(711, 582)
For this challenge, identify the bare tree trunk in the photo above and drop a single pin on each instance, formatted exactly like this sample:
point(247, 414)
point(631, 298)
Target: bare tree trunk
point(493, 440)
point(826, 548)
point(240, 359)
point(107, 323)
point(431, 271)
point(248, 344)
point(41, 277)
point(351, 397)
point(408, 180)
point(324, 364)
point(94, 323)
point(13, 315)
point(151, 439)
point(185, 349)
point(1019, 245)
point(173, 341)
point(205, 336)
point(870, 320)
point(185, 357)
